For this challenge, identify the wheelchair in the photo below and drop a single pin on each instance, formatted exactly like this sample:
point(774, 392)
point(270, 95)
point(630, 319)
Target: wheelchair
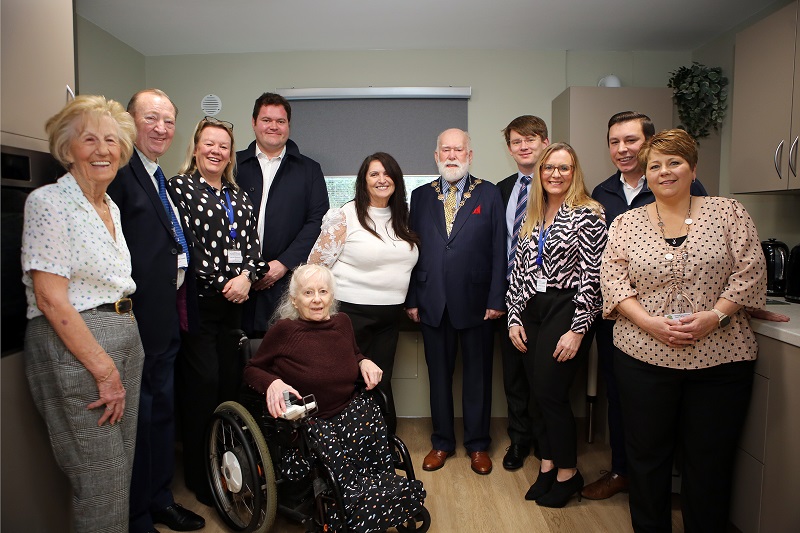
point(244, 449)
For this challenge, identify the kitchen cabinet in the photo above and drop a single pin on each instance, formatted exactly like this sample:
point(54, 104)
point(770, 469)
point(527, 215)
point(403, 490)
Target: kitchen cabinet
point(38, 63)
point(767, 472)
point(580, 118)
point(766, 105)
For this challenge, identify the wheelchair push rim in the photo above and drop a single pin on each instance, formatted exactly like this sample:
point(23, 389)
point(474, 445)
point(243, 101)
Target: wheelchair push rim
point(240, 471)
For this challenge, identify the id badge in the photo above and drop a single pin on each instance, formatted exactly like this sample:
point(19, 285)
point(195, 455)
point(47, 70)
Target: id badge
point(541, 284)
point(182, 262)
point(677, 316)
point(234, 257)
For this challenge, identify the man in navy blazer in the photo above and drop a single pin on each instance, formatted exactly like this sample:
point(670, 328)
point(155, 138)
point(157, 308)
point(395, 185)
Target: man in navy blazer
point(526, 138)
point(159, 269)
point(456, 289)
point(290, 197)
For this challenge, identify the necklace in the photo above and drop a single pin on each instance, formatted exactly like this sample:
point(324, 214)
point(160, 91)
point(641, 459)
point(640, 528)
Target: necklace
point(688, 221)
point(440, 195)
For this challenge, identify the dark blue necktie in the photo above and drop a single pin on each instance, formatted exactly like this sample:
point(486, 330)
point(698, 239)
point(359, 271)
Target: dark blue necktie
point(177, 231)
point(519, 214)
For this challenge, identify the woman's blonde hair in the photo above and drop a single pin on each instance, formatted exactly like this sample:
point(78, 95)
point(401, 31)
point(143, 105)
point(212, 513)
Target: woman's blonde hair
point(190, 164)
point(64, 126)
point(577, 195)
point(286, 308)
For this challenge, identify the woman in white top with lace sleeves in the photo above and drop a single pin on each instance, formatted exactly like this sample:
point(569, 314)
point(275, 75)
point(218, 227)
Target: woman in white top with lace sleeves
point(370, 250)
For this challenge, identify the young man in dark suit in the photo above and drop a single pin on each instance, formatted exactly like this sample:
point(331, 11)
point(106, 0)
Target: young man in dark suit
point(456, 289)
point(160, 259)
point(290, 197)
point(526, 138)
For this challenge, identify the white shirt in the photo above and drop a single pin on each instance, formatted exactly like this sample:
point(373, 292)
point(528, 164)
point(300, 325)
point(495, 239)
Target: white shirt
point(368, 270)
point(63, 235)
point(150, 167)
point(269, 167)
point(631, 192)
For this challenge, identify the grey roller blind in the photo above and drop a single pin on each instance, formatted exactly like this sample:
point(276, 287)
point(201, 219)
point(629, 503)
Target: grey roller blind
point(339, 134)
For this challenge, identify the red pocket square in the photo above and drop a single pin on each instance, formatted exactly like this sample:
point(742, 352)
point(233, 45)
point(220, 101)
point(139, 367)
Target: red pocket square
point(477, 210)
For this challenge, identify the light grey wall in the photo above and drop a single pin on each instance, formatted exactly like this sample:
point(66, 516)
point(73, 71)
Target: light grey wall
point(106, 65)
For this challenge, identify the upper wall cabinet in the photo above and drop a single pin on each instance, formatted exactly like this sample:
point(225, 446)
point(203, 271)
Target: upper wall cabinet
point(766, 124)
point(580, 118)
point(38, 63)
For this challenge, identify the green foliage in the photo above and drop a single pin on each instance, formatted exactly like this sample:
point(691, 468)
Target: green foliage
point(699, 93)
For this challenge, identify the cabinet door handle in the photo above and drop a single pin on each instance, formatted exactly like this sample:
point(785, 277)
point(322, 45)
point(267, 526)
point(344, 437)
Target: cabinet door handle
point(778, 156)
point(70, 93)
point(793, 157)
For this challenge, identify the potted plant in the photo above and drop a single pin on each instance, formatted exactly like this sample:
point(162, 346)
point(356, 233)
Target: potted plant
point(699, 93)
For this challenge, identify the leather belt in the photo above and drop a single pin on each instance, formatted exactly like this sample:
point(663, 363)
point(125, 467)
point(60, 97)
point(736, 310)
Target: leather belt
point(121, 307)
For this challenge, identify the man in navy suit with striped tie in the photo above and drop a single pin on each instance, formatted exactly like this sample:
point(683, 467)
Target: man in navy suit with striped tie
point(526, 139)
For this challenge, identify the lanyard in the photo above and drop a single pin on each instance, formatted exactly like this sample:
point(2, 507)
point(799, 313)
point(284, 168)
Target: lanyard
point(229, 211)
point(542, 237)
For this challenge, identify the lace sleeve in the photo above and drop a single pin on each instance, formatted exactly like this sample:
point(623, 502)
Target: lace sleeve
point(330, 242)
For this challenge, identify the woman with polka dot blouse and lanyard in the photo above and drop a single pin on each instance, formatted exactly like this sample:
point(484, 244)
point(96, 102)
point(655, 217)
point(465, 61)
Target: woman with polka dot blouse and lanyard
point(220, 226)
point(676, 275)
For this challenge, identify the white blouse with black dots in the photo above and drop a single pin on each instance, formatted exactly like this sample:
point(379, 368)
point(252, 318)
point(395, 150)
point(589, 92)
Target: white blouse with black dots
point(204, 212)
point(720, 258)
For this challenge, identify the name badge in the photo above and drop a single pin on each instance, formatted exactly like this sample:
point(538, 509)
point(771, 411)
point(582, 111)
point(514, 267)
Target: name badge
point(234, 257)
point(182, 262)
point(677, 316)
point(541, 284)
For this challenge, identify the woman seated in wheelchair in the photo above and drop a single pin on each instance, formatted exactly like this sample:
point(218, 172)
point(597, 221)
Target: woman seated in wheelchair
point(311, 349)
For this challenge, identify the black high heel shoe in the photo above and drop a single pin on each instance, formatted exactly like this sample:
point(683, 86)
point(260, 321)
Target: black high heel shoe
point(562, 491)
point(542, 485)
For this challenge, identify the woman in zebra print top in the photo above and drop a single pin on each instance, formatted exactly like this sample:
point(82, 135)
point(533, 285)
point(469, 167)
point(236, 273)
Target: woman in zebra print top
point(553, 298)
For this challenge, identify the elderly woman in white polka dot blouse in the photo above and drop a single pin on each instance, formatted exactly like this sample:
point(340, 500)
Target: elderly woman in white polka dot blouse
point(677, 276)
point(83, 354)
point(226, 258)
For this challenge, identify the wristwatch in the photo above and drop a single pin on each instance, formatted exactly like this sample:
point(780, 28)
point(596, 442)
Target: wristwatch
point(249, 275)
point(724, 319)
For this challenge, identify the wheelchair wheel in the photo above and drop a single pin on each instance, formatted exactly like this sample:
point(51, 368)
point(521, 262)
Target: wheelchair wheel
point(419, 523)
point(240, 471)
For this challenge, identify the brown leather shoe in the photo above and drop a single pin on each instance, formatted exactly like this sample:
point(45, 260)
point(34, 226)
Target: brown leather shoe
point(481, 464)
point(435, 459)
point(605, 487)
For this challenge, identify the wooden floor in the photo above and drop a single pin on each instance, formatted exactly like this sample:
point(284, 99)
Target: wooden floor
point(461, 501)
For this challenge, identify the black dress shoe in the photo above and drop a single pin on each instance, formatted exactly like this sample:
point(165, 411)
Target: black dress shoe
point(515, 456)
point(562, 491)
point(178, 518)
point(544, 482)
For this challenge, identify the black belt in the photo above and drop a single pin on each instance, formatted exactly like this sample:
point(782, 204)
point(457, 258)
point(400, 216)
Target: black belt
point(121, 307)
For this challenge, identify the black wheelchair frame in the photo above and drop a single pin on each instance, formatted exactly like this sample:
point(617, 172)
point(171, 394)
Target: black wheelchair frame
point(243, 446)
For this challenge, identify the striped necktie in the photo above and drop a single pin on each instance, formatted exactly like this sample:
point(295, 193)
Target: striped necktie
point(177, 231)
point(519, 214)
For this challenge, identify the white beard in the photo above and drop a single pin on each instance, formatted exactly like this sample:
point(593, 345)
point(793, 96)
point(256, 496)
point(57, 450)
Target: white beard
point(452, 174)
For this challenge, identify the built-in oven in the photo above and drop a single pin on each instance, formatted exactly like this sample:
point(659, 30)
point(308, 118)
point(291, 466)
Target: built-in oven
point(21, 171)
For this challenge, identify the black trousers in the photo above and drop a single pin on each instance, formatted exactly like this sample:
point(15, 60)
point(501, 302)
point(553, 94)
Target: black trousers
point(154, 459)
point(604, 332)
point(698, 412)
point(550, 317)
point(377, 333)
point(525, 423)
point(209, 372)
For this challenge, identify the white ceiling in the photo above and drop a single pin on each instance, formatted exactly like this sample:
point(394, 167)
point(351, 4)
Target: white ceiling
point(167, 27)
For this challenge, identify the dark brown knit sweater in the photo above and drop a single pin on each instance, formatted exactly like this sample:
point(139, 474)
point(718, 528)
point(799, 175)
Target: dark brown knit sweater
point(319, 358)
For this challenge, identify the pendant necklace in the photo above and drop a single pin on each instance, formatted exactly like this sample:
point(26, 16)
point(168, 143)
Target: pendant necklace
point(674, 241)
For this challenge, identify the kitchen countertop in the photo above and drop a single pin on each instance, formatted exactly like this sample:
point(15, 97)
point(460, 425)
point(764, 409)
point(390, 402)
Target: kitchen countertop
point(788, 332)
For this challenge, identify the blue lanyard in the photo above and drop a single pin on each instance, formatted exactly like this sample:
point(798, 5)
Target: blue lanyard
point(229, 210)
point(542, 237)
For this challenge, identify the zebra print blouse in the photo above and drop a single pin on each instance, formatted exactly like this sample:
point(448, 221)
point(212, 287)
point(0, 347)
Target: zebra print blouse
point(570, 260)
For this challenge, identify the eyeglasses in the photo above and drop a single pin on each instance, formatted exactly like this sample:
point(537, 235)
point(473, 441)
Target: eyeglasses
point(223, 123)
point(516, 143)
point(548, 169)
